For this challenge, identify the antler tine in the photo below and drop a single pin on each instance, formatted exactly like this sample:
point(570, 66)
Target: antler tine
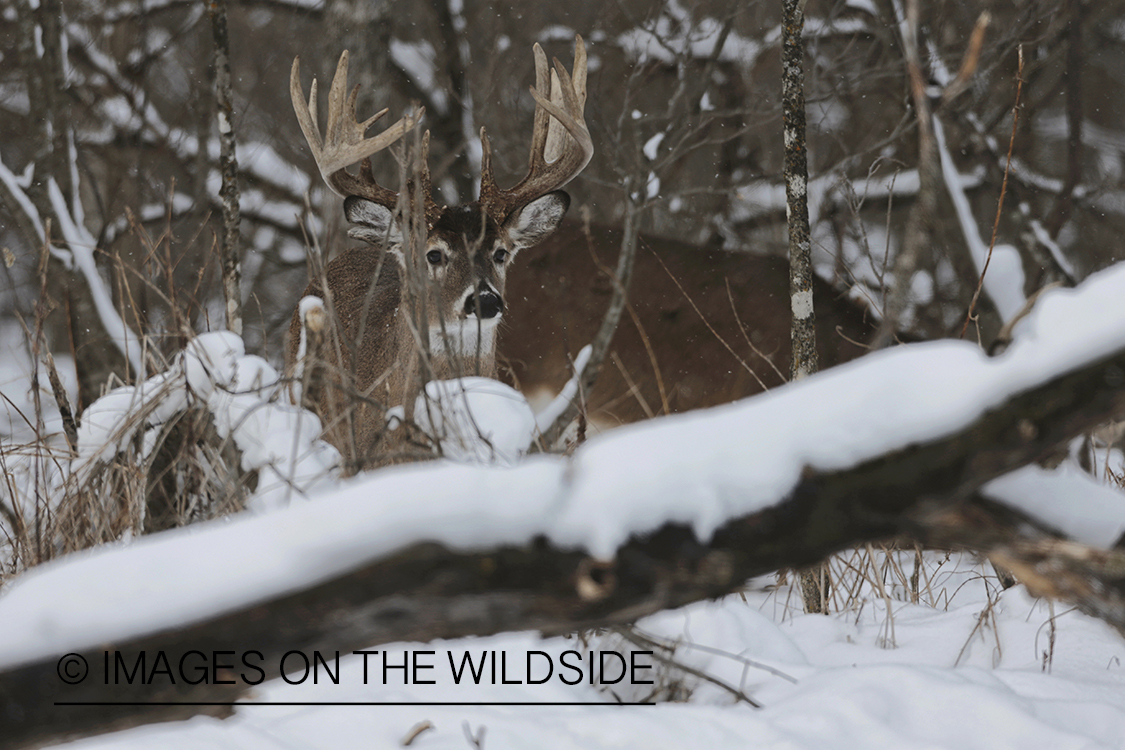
point(541, 125)
point(344, 142)
point(561, 146)
point(562, 87)
point(307, 122)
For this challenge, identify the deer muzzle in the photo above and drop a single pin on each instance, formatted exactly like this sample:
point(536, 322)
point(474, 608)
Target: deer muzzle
point(486, 304)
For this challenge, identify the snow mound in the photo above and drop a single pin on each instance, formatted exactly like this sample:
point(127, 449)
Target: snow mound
point(476, 420)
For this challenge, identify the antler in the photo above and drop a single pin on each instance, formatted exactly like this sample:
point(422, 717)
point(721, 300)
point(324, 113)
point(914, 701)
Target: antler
point(560, 141)
point(344, 143)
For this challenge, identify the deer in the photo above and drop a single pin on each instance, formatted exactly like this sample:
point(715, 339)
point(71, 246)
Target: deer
point(364, 336)
point(704, 327)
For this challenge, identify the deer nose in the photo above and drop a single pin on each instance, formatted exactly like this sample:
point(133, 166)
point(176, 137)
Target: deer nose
point(490, 304)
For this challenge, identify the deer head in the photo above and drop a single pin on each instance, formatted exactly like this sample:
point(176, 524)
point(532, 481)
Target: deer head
point(463, 257)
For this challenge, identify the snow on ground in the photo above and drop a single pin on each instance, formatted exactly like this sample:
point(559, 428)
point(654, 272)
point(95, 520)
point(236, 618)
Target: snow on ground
point(967, 673)
point(702, 469)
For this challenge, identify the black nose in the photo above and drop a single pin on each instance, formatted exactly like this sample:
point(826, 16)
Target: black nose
point(490, 304)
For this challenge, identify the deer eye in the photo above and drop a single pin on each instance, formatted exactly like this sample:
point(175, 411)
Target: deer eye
point(434, 257)
point(500, 255)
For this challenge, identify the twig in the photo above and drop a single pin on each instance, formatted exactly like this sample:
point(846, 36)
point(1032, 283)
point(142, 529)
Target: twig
point(969, 62)
point(746, 336)
point(639, 641)
point(1003, 191)
point(416, 730)
point(600, 345)
point(475, 740)
point(706, 322)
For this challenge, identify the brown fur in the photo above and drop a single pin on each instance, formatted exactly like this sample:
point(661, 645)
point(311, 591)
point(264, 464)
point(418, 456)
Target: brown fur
point(559, 297)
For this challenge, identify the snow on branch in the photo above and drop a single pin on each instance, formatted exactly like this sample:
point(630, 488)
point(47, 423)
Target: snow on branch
point(82, 244)
point(133, 113)
point(765, 197)
point(569, 392)
point(673, 511)
point(675, 35)
point(17, 195)
point(1049, 497)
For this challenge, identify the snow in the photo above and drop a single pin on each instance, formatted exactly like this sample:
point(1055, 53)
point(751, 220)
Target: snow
point(278, 440)
point(17, 397)
point(822, 681)
point(552, 411)
point(867, 6)
point(701, 469)
point(477, 420)
point(416, 59)
point(1047, 495)
point(134, 113)
point(14, 188)
point(762, 197)
point(675, 34)
point(104, 428)
point(1044, 239)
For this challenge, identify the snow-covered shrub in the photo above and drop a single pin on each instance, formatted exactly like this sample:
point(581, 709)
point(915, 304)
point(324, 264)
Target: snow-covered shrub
point(210, 435)
point(276, 444)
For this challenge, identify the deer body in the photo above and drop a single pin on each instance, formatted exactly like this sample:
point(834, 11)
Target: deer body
point(423, 300)
point(671, 348)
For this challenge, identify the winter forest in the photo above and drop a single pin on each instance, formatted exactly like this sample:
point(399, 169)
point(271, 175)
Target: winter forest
point(653, 373)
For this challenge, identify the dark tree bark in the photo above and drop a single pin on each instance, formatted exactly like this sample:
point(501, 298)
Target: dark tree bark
point(804, 360)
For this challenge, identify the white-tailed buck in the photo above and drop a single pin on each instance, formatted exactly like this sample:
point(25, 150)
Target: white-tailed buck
point(423, 299)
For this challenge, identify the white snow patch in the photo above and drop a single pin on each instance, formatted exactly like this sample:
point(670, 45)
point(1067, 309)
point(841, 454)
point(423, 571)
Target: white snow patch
point(553, 410)
point(82, 245)
point(1049, 496)
point(952, 680)
point(417, 60)
point(476, 420)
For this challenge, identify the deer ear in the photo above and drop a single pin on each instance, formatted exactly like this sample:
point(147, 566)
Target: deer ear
point(532, 223)
point(374, 223)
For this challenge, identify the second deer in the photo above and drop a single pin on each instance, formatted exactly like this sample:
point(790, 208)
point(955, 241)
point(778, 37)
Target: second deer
point(423, 299)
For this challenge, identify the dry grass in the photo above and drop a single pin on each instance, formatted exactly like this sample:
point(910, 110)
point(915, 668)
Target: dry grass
point(163, 475)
